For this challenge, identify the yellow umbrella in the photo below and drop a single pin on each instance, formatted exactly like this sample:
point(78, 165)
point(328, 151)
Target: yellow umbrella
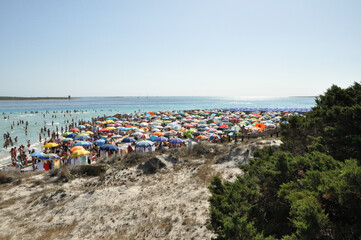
point(79, 153)
point(51, 145)
point(89, 133)
point(77, 148)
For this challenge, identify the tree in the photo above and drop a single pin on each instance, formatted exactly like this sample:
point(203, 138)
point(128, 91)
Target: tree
point(333, 126)
point(308, 189)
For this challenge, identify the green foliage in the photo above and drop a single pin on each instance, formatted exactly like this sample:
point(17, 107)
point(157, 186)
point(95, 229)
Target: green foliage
point(335, 124)
point(309, 189)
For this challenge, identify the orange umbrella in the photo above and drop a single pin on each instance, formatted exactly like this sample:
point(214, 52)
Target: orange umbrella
point(201, 137)
point(74, 130)
point(76, 148)
point(261, 126)
point(158, 134)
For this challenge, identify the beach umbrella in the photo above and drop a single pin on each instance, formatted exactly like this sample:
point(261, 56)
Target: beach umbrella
point(77, 148)
point(74, 130)
point(36, 154)
point(48, 156)
point(212, 130)
point(81, 127)
point(82, 137)
point(214, 137)
point(89, 133)
point(99, 142)
point(145, 144)
point(83, 143)
point(72, 135)
point(201, 137)
point(176, 140)
point(109, 147)
point(144, 136)
point(261, 126)
point(128, 140)
point(158, 134)
point(161, 139)
point(67, 139)
point(112, 118)
point(51, 145)
point(116, 136)
point(79, 153)
point(66, 134)
point(104, 130)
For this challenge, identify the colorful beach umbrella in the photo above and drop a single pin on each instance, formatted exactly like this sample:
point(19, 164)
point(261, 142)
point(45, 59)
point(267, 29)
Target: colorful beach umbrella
point(109, 147)
point(83, 143)
point(128, 140)
point(36, 154)
point(145, 144)
point(51, 145)
point(76, 148)
point(79, 153)
point(48, 156)
point(161, 139)
point(176, 140)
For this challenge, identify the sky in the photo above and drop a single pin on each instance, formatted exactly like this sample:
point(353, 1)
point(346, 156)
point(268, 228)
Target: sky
point(178, 48)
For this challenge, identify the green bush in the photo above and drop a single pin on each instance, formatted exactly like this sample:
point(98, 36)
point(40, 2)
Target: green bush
point(308, 189)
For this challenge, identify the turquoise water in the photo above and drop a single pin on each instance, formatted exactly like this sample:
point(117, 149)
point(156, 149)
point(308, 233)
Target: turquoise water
point(89, 107)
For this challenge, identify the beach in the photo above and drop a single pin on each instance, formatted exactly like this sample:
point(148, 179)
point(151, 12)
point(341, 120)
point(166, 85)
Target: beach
point(57, 113)
point(125, 201)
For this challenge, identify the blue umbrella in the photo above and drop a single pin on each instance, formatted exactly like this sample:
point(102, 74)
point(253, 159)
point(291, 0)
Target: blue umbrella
point(176, 140)
point(83, 143)
point(72, 135)
point(214, 137)
point(82, 137)
point(48, 156)
point(81, 127)
point(128, 140)
point(161, 139)
point(99, 142)
point(109, 147)
point(112, 118)
point(145, 144)
point(36, 154)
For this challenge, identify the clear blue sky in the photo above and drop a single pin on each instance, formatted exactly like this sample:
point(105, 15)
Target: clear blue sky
point(145, 48)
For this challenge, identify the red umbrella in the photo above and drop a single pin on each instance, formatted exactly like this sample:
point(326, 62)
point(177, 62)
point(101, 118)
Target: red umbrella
point(74, 130)
point(223, 126)
point(104, 130)
point(188, 125)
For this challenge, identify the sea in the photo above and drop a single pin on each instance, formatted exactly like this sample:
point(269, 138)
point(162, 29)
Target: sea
point(50, 113)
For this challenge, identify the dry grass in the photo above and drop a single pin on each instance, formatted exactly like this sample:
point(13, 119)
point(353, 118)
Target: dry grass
point(9, 202)
point(5, 237)
point(59, 231)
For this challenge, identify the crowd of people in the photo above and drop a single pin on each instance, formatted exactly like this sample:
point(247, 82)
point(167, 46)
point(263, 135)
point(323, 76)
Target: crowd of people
point(86, 141)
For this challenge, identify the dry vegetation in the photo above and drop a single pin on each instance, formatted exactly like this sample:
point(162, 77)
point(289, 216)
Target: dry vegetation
point(118, 198)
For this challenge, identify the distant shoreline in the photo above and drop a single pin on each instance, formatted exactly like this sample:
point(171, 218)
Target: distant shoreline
point(35, 98)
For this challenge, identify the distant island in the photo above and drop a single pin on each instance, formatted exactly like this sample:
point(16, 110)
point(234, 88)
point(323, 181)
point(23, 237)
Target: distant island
point(4, 98)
